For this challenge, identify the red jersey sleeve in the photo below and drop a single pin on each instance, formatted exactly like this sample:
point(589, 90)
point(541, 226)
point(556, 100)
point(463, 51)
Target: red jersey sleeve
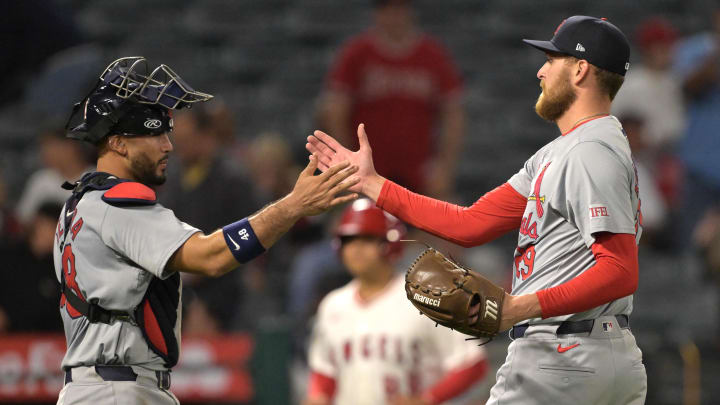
point(494, 214)
point(614, 275)
point(320, 386)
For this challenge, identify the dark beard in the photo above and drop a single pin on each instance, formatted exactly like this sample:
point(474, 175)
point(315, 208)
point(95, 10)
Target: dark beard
point(551, 107)
point(144, 170)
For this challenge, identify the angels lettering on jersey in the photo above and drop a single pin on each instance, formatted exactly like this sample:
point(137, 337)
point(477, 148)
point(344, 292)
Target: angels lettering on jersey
point(379, 349)
point(400, 356)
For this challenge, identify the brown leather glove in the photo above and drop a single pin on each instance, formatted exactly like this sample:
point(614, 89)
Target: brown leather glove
point(445, 291)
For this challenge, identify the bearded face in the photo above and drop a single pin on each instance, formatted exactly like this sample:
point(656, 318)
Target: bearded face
point(147, 170)
point(556, 98)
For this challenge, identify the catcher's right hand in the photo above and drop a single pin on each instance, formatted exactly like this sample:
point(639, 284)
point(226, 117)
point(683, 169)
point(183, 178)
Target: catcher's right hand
point(454, 296)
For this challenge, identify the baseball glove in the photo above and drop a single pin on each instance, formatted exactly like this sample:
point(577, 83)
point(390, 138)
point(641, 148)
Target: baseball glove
point(445, 291)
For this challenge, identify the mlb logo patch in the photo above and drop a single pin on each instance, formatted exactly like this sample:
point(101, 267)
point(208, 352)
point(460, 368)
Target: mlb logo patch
point(607, 326)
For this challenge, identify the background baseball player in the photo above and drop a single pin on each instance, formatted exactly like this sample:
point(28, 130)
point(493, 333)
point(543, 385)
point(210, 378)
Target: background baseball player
point(369, 345)
point(576, 205)
point(117, 251)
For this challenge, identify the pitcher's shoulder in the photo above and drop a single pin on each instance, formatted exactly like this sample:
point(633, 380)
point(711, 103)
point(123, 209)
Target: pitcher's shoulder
point(608, 132)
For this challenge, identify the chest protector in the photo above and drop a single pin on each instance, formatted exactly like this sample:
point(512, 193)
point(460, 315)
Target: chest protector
point(156, 315)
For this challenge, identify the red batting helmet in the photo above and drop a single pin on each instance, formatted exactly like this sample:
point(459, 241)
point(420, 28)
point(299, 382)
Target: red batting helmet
point(363, 217)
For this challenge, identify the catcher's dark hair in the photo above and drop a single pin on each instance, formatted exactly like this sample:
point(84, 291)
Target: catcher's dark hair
point(102, 146)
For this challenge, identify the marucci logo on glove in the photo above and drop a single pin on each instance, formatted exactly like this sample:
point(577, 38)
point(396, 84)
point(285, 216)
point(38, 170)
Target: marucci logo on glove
point(426, 300)
point(454, 290)
point(491, 309)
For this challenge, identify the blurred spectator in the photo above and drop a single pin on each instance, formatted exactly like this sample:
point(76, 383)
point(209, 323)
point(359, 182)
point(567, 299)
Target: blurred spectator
point(707, 237)
point(271, 164)
point(654, 209)
point(368, 347)
point(29, 290)
point(63, 80)
point(315, 271)
point(651, 90)
point(199, 320)
point(402, 84)
point(270, 160)
point(698, 67)
point(62, 160)
point(205, 188)
point(274, 171)
point(9, 225)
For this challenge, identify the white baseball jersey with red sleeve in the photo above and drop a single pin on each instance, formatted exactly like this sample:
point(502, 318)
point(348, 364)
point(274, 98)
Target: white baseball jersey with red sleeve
point(382, 348)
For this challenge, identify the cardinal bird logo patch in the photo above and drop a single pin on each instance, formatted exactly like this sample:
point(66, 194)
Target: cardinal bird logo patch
point(535, 196)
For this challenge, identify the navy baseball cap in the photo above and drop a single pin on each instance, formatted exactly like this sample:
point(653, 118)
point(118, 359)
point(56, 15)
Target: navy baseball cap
point(593, 39)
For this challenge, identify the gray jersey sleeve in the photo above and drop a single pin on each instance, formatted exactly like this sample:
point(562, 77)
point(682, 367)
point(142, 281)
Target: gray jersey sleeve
point(146, 235)
point(594, 191)
point(521, 180)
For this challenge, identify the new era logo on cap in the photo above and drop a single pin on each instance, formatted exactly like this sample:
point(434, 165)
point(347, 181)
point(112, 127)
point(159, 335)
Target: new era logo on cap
point(594, 39)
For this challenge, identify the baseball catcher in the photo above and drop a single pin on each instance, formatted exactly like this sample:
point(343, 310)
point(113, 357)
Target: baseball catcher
point(118, 252)
point(454, 296)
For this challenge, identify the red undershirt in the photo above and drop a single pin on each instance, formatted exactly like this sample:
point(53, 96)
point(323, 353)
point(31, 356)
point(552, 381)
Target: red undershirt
point(614, 275)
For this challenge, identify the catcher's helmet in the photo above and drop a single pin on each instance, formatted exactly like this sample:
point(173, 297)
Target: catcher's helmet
point(129, 100)
point(363, 218)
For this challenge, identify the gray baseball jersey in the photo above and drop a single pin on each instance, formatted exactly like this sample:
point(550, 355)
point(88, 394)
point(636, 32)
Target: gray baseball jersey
point(577, 185)
point(110, 255)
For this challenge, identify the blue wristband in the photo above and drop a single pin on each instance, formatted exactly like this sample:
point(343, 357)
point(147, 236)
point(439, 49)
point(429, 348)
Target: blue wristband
point(241, 241)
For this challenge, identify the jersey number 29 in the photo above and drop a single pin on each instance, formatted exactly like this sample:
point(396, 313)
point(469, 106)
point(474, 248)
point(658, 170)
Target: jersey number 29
point(525, 262)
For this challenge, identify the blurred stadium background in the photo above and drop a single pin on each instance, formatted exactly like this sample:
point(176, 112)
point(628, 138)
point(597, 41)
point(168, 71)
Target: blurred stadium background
point(266, 61)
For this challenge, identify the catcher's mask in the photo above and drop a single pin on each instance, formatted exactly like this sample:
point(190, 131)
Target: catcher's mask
point(364, 218)
point(131, 100)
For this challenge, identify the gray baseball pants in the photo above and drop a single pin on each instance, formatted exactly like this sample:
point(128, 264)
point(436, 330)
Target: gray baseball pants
point(90, 388)
point(600, 367)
